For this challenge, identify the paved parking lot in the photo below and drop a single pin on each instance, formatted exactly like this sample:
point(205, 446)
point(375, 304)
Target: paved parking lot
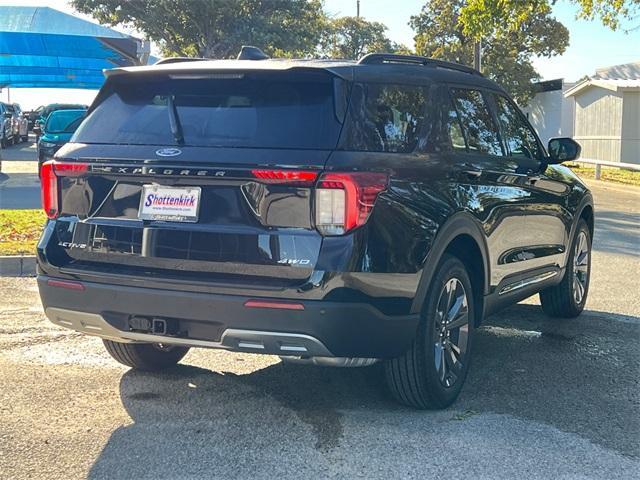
point(19, 184)
point(544, 399)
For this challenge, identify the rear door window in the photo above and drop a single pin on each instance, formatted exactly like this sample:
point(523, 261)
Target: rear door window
point(477, 123)
point(518, 137)
point(268, 110)
point(385, 118)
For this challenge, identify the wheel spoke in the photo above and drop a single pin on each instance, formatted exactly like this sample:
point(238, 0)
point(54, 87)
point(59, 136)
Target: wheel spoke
point(582, 267)
point(439, 361)
point(581, 240)
point(454, 309)
point(451, 357)
point(459, 321)
point(453, 366)
point(578, 289)
point(451, 291)
point(582, 257)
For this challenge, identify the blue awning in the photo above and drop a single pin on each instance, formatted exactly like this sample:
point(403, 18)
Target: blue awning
point(42, 47)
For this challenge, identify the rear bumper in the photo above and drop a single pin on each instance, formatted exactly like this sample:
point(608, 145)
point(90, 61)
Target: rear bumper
point(223, 321)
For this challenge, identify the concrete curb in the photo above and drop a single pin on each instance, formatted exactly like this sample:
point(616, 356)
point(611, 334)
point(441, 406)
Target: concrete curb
point(16, 266)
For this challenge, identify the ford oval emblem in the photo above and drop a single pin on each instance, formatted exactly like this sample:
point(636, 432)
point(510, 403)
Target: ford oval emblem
point(168, 152)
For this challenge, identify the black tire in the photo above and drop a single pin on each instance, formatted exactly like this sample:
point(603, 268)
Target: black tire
point(414, 378)
point(561, 301)
point(145, 356)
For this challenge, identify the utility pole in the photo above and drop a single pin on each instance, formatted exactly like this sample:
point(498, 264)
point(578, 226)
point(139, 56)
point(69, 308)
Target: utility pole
point(358, 8)
point(477, 55)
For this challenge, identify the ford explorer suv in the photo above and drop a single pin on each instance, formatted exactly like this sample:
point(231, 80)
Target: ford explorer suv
point(328, 212)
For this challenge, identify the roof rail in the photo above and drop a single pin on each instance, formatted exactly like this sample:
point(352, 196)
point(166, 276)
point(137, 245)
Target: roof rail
point(381, 58)
point(165, 61)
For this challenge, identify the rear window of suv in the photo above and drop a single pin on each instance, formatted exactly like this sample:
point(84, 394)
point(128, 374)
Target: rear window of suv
point(263, 109)
point(385, 118)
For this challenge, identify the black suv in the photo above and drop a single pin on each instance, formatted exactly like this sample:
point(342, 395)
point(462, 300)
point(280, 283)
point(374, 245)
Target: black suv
point(330, 212)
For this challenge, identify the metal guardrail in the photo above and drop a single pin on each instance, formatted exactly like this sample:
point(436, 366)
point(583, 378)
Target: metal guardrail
point(600, 163)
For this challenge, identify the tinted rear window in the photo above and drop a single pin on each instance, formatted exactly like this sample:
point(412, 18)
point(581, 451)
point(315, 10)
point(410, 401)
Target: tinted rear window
point(271, 110)
point(385, 118)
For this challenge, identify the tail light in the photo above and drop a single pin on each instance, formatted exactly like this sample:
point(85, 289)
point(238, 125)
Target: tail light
point(49, 174)
point(345, 200)
point(302, 178)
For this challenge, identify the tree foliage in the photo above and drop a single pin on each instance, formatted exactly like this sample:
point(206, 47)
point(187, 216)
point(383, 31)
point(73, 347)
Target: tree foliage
point(506, 50)
point(217, 28)
point(353, 37)
point(483, 17)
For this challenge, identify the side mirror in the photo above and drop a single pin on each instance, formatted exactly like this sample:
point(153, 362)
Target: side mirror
point(563, 150)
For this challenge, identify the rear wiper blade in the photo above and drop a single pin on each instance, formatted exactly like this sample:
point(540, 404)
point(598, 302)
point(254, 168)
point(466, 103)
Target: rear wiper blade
point(174, 120)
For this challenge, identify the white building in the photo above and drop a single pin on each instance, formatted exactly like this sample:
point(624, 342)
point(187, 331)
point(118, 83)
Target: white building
point(548, 111)
point(601, 112)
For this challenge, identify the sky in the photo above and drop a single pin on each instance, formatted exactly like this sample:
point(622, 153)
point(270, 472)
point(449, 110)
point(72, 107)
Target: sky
point(591, 44)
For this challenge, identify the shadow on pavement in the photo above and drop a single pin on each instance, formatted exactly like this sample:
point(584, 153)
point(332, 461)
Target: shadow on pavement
point(579, 376)
point(617, 232)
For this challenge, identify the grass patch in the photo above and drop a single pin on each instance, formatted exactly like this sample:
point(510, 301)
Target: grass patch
point(20, 231)
point(619, 175)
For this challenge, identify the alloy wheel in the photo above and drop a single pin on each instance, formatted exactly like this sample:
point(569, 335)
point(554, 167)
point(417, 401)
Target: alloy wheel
point(580, 267)
point(451, 332)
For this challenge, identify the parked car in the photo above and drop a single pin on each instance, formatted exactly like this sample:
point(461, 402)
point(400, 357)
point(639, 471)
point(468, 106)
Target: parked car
point(333, 213)
point(46, 111)
point(33, 115)
point(20, 125)
point(6, 125)
point(57, 131)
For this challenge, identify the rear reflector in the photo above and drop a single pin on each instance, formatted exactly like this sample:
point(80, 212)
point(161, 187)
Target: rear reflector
point(69, 285)
point(273, 304)
point(289, 177)
point(49, 173)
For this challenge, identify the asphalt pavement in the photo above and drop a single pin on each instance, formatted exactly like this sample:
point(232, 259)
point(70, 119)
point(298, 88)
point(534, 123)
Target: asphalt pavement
point(19, 183)
point(544, 398)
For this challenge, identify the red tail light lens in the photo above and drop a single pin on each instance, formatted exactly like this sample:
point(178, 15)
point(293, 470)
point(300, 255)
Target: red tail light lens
point(49, 173)
point(49, 189)
point(345, 200)
point(288, 177)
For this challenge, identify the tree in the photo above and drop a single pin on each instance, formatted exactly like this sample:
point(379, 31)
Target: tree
point(353, 37)
point(217, 28)
point(481, 17)
point(506, 51)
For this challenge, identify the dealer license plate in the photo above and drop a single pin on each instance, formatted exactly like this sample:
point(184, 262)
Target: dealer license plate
point(170, 204)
